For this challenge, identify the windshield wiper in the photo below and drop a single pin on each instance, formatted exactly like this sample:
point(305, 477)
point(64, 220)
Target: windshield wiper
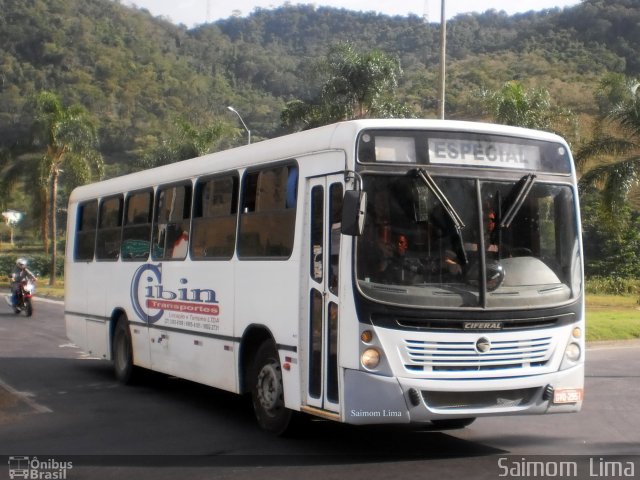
point(442, 198)
point(444, 201)
point(524, 186)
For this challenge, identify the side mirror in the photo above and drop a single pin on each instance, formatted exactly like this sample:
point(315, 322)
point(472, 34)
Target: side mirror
point(354, 210)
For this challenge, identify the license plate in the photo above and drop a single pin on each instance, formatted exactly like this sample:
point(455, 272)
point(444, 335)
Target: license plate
point(568, 395)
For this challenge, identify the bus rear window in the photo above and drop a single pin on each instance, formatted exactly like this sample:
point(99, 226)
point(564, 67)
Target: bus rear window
point(86, 230)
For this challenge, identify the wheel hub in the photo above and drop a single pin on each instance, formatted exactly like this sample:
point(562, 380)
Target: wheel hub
point(269, 391)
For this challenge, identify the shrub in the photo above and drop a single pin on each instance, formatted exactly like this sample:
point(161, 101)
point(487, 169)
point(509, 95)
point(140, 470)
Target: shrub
point(39, 264)
point(612, 286)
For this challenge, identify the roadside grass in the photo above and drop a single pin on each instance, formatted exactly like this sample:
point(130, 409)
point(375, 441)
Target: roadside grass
point(612, 317)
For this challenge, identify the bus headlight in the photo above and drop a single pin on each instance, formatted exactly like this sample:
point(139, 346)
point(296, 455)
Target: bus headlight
point(370, 358)
point(573, 352)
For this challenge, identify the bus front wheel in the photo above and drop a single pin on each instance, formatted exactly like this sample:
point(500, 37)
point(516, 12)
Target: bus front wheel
point(267, 391)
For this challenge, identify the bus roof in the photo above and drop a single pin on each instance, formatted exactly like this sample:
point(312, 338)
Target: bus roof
point(338, 136)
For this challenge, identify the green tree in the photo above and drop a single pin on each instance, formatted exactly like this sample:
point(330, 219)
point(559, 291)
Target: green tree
point(615, 146)
point(8, 174)
point(610, 250)
point(514, 105)
point(356, 85)
point(69, 137)
point(187, 141)
point(19, 168)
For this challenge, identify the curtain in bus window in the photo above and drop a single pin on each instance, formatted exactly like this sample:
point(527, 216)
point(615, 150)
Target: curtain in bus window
point(136, 232)
point(109, 229)
point(267, 218)
point(214, 218)
point(172, 223)
point(86, 230)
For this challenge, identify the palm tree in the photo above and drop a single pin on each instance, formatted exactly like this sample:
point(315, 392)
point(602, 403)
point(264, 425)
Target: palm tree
point(70, 139)
point(514, 105)
point(19, 166)
point(616, 145)
point(357, 85)
point(186, 141)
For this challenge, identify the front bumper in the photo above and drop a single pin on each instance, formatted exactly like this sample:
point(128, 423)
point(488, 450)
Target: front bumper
point(374, 399)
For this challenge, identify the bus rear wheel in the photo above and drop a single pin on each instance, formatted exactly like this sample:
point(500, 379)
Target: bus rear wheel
point(267, 391)
point(123, 352)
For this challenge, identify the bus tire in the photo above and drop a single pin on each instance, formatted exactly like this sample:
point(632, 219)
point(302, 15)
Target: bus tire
point(123, 367)
point(267, 391)
point(452, 423)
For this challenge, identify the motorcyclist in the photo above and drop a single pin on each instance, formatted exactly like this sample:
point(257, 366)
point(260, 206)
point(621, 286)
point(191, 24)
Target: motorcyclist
point(19, 274)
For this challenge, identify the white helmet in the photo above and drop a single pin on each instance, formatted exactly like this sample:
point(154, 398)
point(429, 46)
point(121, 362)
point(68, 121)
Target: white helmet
point(21, 263)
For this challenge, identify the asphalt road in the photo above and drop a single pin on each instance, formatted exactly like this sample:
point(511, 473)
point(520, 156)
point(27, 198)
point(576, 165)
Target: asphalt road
point(59, 406)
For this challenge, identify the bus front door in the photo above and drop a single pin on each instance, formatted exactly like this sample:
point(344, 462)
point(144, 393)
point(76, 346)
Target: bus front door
point(324, 210)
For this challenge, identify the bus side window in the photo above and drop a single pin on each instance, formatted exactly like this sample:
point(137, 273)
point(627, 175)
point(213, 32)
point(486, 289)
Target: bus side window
point(267, 218)
point(136, 232)
point(172, 223)
point(109, 229)
point(215, 213)
point(86, 231)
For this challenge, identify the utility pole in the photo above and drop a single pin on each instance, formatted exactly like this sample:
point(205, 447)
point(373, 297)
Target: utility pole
point(443, 53)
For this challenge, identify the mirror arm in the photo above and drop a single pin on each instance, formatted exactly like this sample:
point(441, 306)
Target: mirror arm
point(352, 174)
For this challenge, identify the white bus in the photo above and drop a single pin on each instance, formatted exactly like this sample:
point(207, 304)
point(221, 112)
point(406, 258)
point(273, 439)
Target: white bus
point(374, 271)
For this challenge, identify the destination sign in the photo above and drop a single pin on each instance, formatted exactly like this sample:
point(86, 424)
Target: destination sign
point(483, 154)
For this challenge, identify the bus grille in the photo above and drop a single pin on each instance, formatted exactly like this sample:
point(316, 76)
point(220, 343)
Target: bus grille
point(463, 356)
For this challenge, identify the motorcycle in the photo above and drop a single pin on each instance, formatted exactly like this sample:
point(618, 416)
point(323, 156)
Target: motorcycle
point(24, 298)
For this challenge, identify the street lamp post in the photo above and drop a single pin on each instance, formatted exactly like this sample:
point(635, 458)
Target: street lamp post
point(231, 109)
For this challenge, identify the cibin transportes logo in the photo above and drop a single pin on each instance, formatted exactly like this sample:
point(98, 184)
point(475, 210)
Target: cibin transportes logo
point(38, 469)
point(151, 299)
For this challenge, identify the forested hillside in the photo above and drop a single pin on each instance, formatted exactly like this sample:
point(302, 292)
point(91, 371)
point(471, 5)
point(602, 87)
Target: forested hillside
point(137, 73)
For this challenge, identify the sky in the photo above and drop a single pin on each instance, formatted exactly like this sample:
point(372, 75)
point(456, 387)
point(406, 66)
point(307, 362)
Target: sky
point(196, 12)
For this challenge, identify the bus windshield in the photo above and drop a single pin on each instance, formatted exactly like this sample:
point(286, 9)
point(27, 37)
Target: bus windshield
point(514, 243)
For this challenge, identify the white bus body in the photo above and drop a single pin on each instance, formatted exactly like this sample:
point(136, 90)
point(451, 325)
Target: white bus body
point(231, 270)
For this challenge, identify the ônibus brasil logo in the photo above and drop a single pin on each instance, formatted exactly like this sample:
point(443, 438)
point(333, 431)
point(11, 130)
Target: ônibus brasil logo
point(151, 299)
